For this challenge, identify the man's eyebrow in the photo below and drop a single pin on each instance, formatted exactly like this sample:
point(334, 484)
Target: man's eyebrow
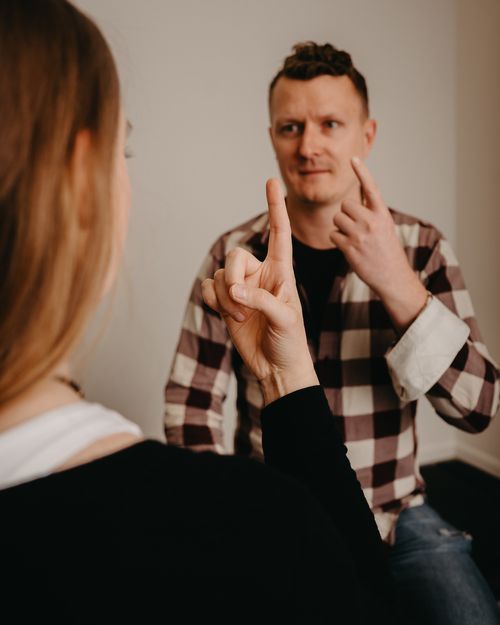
point(284, 119)
point(287, 119)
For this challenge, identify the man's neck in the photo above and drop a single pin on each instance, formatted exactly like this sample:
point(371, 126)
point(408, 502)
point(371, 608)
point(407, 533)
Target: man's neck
point(312, 223)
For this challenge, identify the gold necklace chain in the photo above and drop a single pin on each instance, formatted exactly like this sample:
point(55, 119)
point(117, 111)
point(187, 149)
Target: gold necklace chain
point(71, 383)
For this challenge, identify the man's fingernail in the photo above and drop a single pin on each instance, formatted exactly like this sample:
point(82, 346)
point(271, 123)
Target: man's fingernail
point(238, 292)
point(356, 160)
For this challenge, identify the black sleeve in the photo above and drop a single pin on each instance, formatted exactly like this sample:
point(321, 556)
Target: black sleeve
point(300, 438)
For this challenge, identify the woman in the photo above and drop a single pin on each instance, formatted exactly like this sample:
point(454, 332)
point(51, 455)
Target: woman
point(80, 487)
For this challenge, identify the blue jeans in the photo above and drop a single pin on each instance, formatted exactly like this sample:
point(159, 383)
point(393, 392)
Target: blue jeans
point(436, 579)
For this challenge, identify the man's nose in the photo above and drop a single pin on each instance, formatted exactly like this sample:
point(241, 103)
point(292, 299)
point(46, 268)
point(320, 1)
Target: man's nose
point(310, 142)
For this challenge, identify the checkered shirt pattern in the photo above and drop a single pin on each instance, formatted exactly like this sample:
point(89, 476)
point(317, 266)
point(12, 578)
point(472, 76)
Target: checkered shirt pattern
point(372, 377)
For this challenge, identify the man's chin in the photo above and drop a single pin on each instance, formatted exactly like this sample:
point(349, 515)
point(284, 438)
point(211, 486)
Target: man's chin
point(314, 191)
point(316, 197)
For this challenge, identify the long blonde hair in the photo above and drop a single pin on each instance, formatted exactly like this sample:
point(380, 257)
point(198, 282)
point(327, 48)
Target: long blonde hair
point(57, 78)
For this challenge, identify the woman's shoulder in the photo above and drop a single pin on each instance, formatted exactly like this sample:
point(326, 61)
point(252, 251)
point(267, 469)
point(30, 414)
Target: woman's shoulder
point(153, 503)
point(163, 476)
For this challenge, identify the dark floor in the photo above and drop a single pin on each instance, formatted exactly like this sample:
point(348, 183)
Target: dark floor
point(469, 499)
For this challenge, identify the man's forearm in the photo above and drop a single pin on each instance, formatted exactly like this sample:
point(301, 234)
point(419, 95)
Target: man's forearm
point(404, 299)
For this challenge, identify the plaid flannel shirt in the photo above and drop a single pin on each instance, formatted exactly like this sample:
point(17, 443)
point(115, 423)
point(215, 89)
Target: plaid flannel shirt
point(371, 376)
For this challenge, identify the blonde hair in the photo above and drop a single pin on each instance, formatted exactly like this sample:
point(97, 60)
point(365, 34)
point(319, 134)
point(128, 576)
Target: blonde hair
point(58, 77)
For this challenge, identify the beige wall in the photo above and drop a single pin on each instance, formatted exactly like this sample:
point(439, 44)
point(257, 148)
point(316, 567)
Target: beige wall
point(478, 180)
point(195, 75)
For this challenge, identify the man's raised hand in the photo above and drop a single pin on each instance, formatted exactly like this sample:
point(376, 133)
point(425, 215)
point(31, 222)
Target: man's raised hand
point(366, 234)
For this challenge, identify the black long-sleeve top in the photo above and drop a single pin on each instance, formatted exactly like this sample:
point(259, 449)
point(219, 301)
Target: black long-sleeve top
point(228, 536)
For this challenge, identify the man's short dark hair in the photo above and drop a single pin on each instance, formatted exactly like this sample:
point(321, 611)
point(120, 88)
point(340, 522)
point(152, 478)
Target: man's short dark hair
point(310, 60)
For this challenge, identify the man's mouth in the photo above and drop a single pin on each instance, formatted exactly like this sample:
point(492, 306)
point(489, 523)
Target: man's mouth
point(313, 172)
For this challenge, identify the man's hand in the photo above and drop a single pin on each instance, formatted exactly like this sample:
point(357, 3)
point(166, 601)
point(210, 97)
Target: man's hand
point(367, 236)
point(261, 307)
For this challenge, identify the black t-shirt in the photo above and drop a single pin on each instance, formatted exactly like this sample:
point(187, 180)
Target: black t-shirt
point(315, 270)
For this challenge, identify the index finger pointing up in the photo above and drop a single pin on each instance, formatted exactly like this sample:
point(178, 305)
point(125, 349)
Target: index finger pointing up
point(280, 236)
point(369, 187)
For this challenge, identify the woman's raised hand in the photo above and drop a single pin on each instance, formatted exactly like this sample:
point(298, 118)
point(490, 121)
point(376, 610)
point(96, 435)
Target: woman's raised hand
point(261, 307)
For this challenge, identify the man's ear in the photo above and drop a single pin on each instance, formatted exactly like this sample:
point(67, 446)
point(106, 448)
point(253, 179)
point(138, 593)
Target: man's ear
point(79, 176)
point(370, 132)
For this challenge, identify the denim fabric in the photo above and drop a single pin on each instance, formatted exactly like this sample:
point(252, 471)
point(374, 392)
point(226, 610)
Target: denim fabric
point(436, 579)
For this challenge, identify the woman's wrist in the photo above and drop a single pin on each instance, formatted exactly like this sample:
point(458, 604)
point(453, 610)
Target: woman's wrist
point(283, 382)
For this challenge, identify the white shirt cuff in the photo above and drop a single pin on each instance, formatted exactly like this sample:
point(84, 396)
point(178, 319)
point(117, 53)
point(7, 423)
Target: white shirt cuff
point(426, 350)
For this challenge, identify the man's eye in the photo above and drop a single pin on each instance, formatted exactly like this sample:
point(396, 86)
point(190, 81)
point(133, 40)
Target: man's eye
point(289, 129)
point(331, 124)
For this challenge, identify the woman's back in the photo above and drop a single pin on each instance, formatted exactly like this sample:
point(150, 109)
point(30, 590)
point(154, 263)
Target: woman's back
point(229, 527)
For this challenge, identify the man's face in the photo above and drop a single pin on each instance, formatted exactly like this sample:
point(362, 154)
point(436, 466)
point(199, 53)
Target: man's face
point(317, 126)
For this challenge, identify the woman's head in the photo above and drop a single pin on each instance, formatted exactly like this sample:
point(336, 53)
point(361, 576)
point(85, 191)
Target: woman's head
point(59, 182)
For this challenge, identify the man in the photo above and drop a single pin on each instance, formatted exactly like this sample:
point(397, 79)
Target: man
point(388, 320)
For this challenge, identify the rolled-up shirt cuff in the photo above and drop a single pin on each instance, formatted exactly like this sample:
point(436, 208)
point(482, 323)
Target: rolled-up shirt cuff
point(426, 350)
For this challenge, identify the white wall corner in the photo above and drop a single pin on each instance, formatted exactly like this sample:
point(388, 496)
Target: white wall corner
point(459, 450)
point(437, 452)
point(478, 458)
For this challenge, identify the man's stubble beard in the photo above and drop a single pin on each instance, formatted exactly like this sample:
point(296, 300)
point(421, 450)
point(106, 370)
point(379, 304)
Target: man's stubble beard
point(311, 203)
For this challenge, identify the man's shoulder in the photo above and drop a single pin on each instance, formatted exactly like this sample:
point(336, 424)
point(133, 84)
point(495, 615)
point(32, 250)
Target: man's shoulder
point(415, 232)
point(251, 234)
